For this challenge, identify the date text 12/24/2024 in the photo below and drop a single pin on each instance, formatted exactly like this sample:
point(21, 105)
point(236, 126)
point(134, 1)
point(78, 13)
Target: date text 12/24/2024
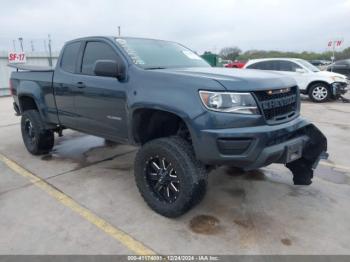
point(174, 258)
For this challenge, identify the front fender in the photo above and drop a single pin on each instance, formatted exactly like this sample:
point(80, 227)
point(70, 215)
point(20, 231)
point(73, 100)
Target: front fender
point(161, 107)
point(324, 80)
point(169, 92)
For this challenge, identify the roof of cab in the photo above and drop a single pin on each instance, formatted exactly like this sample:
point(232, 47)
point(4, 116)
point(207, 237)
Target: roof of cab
point(86, 38)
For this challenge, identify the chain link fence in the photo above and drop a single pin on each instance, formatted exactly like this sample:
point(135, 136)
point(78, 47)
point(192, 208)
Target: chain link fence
point(28, 44)
point(37, 52)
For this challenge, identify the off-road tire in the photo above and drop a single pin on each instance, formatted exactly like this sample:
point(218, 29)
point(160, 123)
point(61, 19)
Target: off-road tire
point(302, 172)
point(321, 87)
point(190, 172)
point(41, 140)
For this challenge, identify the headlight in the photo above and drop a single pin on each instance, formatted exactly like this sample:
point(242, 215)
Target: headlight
point(242, 103)
point(338, 78)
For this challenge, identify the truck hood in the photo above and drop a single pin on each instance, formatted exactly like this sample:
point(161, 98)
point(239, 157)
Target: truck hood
point(237, 79)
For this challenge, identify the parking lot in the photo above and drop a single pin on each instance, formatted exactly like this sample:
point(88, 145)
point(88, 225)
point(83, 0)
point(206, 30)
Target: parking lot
point(82, 199)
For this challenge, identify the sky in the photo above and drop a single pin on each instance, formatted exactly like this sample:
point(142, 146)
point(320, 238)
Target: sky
point(285, 25)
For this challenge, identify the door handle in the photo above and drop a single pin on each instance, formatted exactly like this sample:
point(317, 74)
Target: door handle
point(80, 85)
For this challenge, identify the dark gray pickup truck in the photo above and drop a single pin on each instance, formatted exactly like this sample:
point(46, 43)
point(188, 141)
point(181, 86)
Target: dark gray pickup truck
point(187, 116)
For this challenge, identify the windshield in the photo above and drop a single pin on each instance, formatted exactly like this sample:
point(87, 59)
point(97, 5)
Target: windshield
point(308, 65)
point(157, 54)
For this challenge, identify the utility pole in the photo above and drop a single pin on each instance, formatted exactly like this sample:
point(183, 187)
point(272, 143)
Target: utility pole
point(14, 45)
point(45, 46)
point(333, 57)
point(119, 30)
point(20, 39)
point(50, 51)
point(32, 45)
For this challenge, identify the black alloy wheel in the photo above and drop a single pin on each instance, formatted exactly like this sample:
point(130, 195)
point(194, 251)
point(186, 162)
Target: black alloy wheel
point(162, 179)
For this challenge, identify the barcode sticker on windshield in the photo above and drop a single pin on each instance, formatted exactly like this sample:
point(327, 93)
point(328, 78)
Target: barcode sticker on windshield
point(191, 55)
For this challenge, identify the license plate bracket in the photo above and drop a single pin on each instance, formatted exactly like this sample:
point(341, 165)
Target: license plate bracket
point(294, 152)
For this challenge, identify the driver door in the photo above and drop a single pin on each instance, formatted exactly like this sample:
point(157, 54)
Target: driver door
point(100, 101)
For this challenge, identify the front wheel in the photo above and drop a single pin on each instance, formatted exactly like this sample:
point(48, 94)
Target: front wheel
point(319, 92)
point(168, 176)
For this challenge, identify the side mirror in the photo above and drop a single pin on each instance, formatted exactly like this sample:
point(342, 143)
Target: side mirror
point(109, 68)
point(300, 70)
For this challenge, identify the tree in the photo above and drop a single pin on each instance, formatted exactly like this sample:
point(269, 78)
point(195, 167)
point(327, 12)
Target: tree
point(343, 55)
point(254, 54)
point(230, 53)
point(234, 53)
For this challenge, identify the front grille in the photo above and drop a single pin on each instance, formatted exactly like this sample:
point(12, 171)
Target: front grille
point(278, 105)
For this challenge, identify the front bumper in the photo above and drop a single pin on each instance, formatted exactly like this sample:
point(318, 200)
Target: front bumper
point(340, 88)
point(255, 147)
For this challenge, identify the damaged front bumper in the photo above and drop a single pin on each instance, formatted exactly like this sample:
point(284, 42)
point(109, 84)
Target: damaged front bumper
point(340, 88)
point(314, 150)
point(298, 144)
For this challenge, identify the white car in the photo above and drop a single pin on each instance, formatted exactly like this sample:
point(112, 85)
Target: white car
point(319, 85)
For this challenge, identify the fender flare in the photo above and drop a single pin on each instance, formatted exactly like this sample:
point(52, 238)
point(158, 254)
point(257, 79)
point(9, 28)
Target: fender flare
point(180, 114)
point(32, 90)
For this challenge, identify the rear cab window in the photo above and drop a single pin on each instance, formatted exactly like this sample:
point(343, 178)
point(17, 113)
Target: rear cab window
point(70, 57)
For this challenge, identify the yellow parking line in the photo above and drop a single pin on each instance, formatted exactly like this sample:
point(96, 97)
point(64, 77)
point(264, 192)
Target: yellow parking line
point(125, 239)
point(345, 168)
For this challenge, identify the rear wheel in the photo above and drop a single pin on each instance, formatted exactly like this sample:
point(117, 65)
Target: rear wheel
point(168, 176)
point(319, 92)
point(36, 138)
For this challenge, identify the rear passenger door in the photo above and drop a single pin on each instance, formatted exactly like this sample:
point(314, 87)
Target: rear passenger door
point(100, 101)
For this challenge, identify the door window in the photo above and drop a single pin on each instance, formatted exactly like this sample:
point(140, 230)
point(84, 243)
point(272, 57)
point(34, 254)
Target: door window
point(275, 65)
point(286, 66)
point(96, 51)
point(264, 65)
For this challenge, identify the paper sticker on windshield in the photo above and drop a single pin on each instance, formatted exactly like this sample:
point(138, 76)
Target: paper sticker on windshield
point(191, 55)
point(121, 41)
point(131, 52)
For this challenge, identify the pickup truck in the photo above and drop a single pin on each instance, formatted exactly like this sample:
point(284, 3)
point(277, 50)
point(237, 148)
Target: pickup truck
point(186, 116)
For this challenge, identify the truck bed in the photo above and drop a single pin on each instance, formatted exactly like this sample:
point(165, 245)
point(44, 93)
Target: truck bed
point(39, 74)
point(39, 77)
point(35, 82)
point(34, 68)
